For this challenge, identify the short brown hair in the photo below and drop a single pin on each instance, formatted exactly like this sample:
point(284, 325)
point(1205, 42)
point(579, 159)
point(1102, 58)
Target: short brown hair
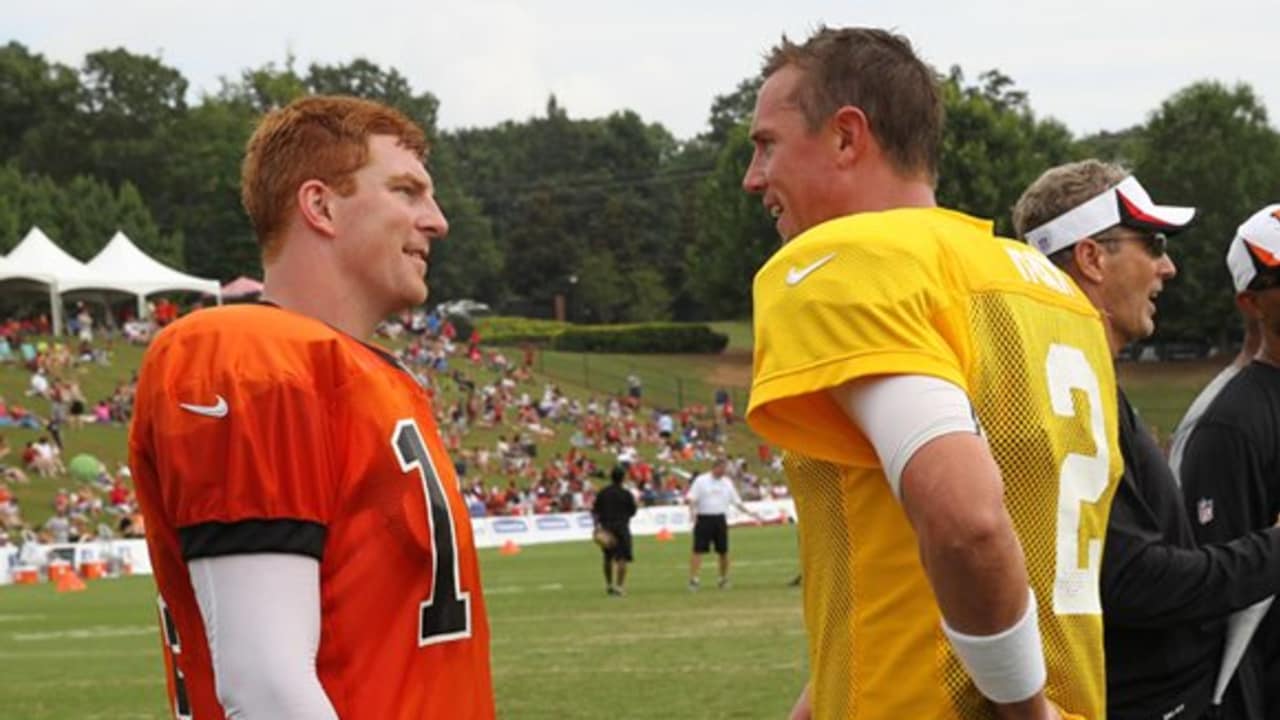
point(879, 72)
point(1062, 188)
point(321, 137)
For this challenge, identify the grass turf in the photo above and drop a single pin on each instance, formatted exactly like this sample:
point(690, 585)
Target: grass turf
point(561, 648)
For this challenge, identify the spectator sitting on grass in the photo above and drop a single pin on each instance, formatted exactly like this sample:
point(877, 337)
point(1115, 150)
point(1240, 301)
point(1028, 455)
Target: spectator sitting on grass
point(120, 498)
point(58, 527)
point(10, 512)
point(74, 398)
point(48, 458)
point(38, 385)
point(8, 473)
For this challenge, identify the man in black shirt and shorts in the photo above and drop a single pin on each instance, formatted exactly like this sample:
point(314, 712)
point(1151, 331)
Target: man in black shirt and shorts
point(613, 509)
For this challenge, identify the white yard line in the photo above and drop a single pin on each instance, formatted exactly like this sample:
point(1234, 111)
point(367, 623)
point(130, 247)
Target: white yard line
point(17, 617)
point(96, 631)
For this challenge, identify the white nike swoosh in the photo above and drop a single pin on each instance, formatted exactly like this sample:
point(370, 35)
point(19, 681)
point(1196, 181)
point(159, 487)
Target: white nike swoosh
point(795, 274)
point(216, 410)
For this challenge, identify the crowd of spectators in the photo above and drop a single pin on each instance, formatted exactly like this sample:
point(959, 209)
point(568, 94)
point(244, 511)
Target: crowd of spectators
point(54, 404)
point(551, 449)
point(520, 444)
point(103, 508)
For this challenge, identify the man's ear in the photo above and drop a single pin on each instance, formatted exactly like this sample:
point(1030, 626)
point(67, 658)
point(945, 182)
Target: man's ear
point(1090, 259)
point(315, 204)
point(1247, 302)
point(851, 131)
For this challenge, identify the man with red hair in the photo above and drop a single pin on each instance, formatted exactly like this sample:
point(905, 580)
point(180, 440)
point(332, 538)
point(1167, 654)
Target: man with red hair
point(313, 553)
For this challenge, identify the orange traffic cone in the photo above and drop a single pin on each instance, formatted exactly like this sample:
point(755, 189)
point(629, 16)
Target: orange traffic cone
point(70, 582)
point(509, 548)
point(664, 535)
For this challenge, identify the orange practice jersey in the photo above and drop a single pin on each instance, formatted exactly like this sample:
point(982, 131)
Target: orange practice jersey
point(257, 430)
point(932, 292)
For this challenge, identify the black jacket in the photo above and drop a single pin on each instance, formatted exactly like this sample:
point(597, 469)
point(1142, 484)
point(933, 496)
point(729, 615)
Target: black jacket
point(1165, 599)
point(1231, 482)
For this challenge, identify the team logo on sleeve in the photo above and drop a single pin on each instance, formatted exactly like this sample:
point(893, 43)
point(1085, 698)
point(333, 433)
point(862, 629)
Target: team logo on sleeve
point(1204, 510)
point(216, 410)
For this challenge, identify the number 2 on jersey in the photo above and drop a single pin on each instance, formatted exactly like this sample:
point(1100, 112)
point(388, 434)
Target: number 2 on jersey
point(1081, 479)
point(446, 613)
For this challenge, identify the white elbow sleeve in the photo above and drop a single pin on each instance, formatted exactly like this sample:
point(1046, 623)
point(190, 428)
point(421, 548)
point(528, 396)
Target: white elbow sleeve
point(898, 414)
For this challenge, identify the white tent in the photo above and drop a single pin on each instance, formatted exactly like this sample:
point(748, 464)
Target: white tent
point(38, 258)
point(120, 267)
point(10, 271)
point(142, 275)
point(37, 255)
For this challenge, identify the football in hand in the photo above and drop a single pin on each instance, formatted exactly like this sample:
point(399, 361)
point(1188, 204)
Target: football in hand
point(604, 538)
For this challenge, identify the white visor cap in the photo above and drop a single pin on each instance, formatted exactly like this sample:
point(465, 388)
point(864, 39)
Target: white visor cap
point(1256, 247)
point(1126, 204)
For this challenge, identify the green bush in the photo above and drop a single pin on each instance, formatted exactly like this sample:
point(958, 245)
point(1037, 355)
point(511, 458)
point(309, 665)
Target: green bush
point(517, 330)
point(641, 338)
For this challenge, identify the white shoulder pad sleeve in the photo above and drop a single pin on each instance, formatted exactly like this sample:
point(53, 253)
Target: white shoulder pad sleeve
point(900, 413)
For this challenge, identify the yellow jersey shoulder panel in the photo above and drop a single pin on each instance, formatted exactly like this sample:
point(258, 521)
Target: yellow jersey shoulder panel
point(869, 294)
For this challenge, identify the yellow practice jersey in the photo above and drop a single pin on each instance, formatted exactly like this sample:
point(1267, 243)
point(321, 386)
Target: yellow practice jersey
point(933, 292)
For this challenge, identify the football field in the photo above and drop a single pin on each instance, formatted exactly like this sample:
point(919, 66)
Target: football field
point(561, 647)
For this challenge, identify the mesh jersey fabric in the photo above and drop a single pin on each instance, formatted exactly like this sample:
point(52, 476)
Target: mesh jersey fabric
point(931, 291)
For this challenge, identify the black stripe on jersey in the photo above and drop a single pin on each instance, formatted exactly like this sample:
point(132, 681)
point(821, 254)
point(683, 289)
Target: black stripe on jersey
point(292, 537)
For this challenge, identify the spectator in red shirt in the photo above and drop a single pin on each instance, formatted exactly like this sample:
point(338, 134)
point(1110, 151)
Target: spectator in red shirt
point(119, 496)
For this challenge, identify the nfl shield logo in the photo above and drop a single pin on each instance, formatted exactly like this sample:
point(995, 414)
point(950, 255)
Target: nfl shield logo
point(1204, 510)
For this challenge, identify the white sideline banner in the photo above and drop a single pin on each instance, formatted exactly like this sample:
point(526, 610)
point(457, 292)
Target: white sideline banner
point(564, 527)
point(130, 556)
point(8, 561)
point(127, 557)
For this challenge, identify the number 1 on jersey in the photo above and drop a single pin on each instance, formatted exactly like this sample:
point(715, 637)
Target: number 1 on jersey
point(446, 613)
point(173, 646)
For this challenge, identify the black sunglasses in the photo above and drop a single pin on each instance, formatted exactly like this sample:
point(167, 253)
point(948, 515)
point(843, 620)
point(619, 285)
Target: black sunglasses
point(1156, 244)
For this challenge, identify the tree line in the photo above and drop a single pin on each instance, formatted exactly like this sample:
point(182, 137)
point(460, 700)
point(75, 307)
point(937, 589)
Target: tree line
point(616, 214)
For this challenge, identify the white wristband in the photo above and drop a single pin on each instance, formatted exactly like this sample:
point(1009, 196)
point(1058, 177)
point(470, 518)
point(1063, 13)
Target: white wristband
point(1006, 667)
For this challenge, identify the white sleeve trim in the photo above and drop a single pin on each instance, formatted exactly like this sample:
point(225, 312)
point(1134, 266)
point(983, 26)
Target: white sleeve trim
point(900, 413)
point(261, 615)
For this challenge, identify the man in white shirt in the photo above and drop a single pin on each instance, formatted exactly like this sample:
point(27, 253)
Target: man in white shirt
point(666, 426)
point(709, 497)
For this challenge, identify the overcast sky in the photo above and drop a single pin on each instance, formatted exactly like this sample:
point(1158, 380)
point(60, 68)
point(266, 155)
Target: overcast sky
point(1093, 65)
